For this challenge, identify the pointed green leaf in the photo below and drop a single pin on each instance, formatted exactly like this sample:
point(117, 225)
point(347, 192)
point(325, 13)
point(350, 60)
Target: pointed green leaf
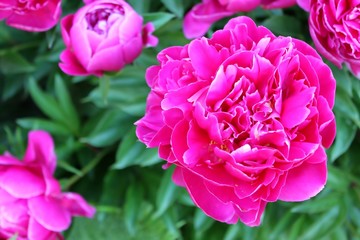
point(159, 19)
point(47, 125)
point(66, 103)
point(167, 194)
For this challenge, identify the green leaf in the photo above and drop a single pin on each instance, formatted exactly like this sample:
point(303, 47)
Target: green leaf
point(48, 104)
point(132, 152)
point(337, 179)
point(107, 128)
point(297, 228)
point(284, 25)
point(13, 63)
point(345, 134)
point(167, 193)
point(47, 125)
point(133, 200)
point(202, 222)
point(233, 232)
point(326, 223)
point(159, 19)
point(346, 107)
point(175, 6)
point(318, 204)
point(140, 6)
point(343, 80)
point(111, 226)
point(66, 103)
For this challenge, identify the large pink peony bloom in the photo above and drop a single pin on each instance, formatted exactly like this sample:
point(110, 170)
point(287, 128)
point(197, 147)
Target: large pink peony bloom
point(199, 19)
point(31, 202)
point(30, 15)
point(334, 28)
point(103, 35)
point(244, 116)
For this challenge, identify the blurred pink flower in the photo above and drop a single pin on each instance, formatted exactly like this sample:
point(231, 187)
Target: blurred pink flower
point(103, 35)
point(30, 15)
point(335, 28)
point(244, 116)
point(199, 19)
point(31, 202)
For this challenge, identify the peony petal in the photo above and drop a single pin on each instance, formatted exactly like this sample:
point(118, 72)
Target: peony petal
point(80, 44)
point(40, 150)
point(148, 39)
point(15, 212)
point(199, 19)
point(65, 26)
point(38, 20)
point(5, 197)
point(37, 232)
point(21, 182)
point(200, 51)
point(294, 108)
point(70, 65)
point(50, 213)
point(204, 199)
point(304, 181)
point(77, 205)
point(109, 59)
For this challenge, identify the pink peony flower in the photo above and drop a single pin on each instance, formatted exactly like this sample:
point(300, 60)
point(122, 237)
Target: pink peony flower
point(199, 19)
point(30, 15)
point(244, 116)
point(334, 28)
point(31, 202)
point(103, 35)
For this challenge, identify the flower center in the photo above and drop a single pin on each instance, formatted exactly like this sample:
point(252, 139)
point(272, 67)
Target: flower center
point(100, 20)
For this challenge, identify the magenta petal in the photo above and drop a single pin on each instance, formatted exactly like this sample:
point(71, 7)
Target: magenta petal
point(77, 205)
point(70, 64)
point(203, 198)
point(36, 20)
point(100, 62)
point(148, 39)
point(37, 232)
point(49, 212)
point(304, 182)
point(198, 21)
point(5, 197)
point(21, 183)
point(4, 14)
point(40, 149)
point(15, 212)
point(304, 4)
point(200, 52)
point(294, 109)
point(81, 45)
point(65, 26)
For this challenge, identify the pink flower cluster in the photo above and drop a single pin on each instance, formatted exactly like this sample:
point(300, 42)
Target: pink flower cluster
point(244, 116)
point(103, 35)
point(199, 19)
point(334, 28)
point(30, 15)
point(31, 202)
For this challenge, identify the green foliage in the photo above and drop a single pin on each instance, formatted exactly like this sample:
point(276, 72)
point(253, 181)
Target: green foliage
point(92, 122)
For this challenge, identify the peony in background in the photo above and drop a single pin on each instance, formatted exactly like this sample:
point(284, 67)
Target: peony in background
point(255, 159)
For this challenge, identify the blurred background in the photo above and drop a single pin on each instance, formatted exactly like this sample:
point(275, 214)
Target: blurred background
point(100, 157)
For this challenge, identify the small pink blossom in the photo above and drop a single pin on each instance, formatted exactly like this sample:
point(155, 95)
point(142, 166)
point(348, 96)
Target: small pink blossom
point(31, 202)
point(103, 35)
point(30, 15)
point(244, 116)
point(199, 19)
point(334, 28)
